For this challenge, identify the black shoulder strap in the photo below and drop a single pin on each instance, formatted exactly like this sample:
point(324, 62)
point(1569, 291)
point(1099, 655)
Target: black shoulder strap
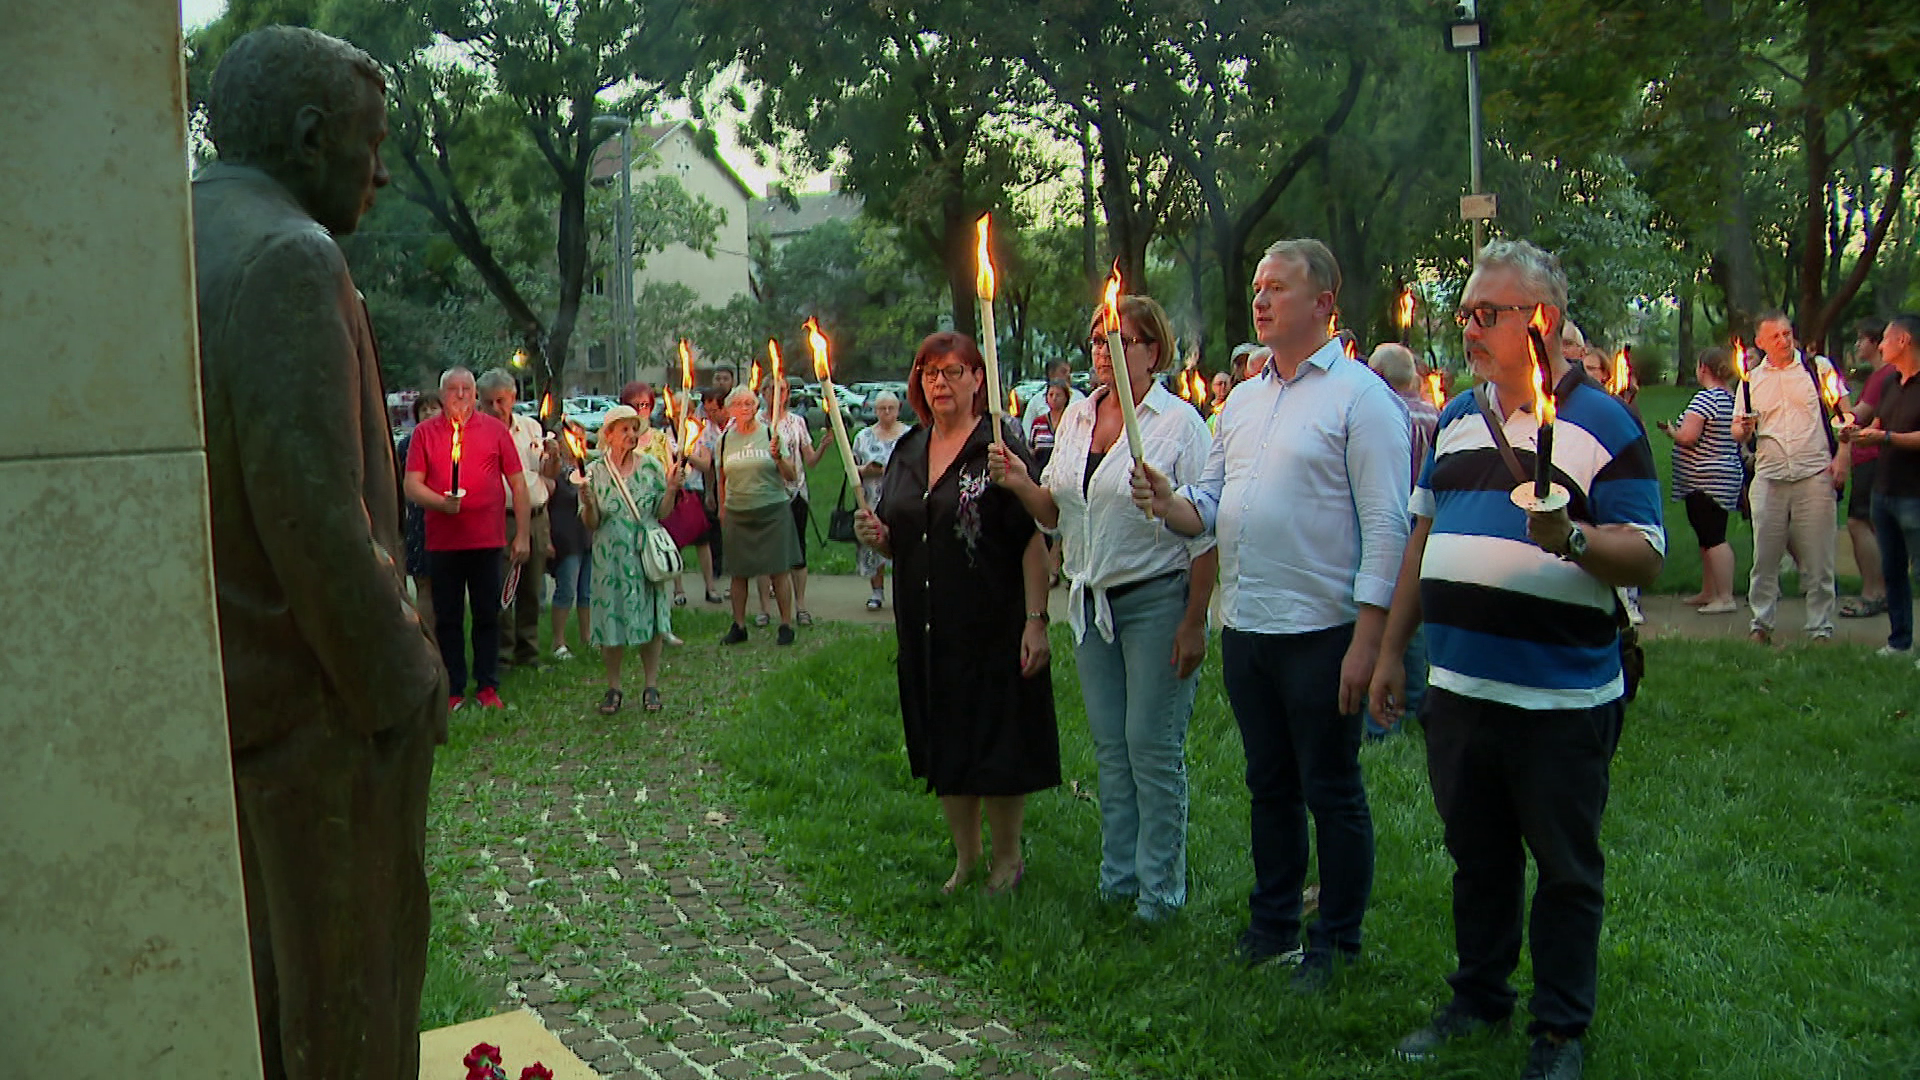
point(1483, 397)
point(1826, 419)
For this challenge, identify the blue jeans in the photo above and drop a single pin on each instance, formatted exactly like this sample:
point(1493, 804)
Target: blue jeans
point(1302, 755)
point(1137, 711)
point(573, 580)
point(1415, 661)
point(1896, 524)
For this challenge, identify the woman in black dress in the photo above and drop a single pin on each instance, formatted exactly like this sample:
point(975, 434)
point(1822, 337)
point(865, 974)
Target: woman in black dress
point(970, 608)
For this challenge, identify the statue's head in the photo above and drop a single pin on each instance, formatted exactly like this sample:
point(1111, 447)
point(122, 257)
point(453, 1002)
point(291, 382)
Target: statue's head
point(308, 109)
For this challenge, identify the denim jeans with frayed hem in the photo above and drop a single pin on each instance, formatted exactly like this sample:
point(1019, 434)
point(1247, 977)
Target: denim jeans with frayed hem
point(1896, 524)
point(1137, 711)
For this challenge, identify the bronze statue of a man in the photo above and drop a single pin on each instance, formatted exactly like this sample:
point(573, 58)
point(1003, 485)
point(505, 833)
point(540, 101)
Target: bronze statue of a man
point(335, 695)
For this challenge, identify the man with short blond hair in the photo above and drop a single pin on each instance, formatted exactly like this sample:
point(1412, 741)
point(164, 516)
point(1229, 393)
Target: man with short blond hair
point(1306, 488)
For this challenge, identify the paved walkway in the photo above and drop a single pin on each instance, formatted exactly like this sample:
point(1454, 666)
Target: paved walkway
point(653, 933)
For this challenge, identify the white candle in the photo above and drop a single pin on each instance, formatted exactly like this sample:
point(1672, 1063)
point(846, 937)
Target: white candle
point(989, 347)
point(1122, 379)
point(824, 372)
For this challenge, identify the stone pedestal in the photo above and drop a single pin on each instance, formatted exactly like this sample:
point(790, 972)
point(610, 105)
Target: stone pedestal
point(121, 914)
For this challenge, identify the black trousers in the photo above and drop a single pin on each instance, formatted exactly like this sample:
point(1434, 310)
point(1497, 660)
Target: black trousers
point(1503, 778)
point(1302, 756)
point(460, 577)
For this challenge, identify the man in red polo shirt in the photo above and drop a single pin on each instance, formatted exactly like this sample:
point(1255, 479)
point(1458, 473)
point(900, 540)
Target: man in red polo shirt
point(467, 528)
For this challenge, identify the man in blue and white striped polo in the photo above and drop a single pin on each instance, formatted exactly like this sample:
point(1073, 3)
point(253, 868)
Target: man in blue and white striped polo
point(1526, 690)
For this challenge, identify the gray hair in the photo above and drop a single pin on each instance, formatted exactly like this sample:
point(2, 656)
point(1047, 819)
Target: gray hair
point(1322, 268)
point(1539, 270)
point(453, 373)
point(268, 77)
point(1394, 362)
point(741, 393)
point(885, 396)
point(1570, 334)
point(495, 380)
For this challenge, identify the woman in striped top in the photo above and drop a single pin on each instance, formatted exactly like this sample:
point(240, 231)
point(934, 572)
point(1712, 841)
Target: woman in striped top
point(1707, 476)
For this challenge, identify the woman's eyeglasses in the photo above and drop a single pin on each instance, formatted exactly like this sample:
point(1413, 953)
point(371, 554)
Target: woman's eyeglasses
point(948, 373)
point(1099, 341)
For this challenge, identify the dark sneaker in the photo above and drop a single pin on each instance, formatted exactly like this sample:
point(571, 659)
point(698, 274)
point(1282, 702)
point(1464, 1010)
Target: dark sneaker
point(1316, 970)
point(1253, 950)
point(735, 636)
point(785, 636)
point(1549, 1060)
point(1450, 1024)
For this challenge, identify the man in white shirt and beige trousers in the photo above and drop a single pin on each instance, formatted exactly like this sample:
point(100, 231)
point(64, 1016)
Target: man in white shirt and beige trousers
point(1795, 473)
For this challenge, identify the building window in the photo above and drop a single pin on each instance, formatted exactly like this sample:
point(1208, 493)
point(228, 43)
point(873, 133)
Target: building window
point(597, 357)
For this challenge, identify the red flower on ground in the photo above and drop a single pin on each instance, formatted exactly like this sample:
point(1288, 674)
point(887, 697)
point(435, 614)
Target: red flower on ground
point(536, 1071)
point(481, 1052)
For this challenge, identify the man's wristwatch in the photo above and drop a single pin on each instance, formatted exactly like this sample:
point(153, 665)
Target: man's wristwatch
point(1576, 548)
point(1041, 616)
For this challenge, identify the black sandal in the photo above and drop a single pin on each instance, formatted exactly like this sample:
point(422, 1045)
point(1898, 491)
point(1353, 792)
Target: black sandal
point(611, 703)
point(650, 699)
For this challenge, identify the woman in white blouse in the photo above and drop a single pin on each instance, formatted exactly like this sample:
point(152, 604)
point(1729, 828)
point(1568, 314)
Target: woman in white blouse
point(1138, 605)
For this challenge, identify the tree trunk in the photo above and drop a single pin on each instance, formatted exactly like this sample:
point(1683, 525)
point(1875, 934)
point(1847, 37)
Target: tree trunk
point(1126, 233)
point(1683, 336)
point(1735, 266)
point(1813, 196)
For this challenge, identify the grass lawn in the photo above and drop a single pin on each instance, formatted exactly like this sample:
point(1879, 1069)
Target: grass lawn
point(1762, 840)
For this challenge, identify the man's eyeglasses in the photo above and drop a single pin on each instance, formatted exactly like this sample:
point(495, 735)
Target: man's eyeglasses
point(1099, 341)
point(948, 373)
point(1486, 315)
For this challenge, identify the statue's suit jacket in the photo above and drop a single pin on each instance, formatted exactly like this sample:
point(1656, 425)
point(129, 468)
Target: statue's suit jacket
point(314, 617)
point(335, 694)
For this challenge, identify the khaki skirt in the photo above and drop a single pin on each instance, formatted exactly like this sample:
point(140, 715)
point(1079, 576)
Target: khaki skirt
point(759, 541)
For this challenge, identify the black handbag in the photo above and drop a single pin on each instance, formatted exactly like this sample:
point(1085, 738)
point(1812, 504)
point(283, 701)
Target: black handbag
point(840, 520)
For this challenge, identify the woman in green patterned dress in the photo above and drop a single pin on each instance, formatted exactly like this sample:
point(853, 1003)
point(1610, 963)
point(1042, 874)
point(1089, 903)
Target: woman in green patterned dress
point(627, 608)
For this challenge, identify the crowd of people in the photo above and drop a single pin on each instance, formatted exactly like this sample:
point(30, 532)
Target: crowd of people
point(1339, 512)
point(1373, 561)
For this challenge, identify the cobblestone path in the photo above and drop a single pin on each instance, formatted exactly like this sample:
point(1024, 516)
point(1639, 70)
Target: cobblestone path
point(656, 937)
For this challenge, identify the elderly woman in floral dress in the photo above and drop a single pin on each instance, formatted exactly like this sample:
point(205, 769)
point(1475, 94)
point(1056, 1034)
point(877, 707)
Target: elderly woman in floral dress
point(622, 497)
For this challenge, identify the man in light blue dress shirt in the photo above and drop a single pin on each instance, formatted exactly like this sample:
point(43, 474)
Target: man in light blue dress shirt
point(1306, 489)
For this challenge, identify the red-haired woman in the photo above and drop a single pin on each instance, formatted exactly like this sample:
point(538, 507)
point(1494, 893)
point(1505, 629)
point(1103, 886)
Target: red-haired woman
point(970, 608)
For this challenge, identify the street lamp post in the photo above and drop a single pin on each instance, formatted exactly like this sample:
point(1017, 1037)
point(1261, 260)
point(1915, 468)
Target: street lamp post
point(1468, 34)
point(624, 361)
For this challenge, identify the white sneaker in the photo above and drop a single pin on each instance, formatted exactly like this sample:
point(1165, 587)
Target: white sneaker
point(1634, 615)
point(1888, 650)
point(674, 639)
point(563, 653)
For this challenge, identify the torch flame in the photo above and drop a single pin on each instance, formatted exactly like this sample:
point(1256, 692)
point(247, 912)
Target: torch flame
point(1406, 307)
point(456, 442)
point(1435, 390)
point(686, 363)
point(1199, 386)
point(1618, 382)
point(576, 443)
point(546, 406)
point(1830, 388)
point(1352, 347)
point(1112, 300)
point(983, 261)
point(753, 377)
point(1740, 359)
point(692, 436)
point(1542, 401)
point(1013, 403)
point(817, 342)
point(1539, 321)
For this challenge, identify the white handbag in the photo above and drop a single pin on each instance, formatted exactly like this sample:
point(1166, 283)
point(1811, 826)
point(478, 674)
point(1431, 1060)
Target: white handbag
point(659, 555)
